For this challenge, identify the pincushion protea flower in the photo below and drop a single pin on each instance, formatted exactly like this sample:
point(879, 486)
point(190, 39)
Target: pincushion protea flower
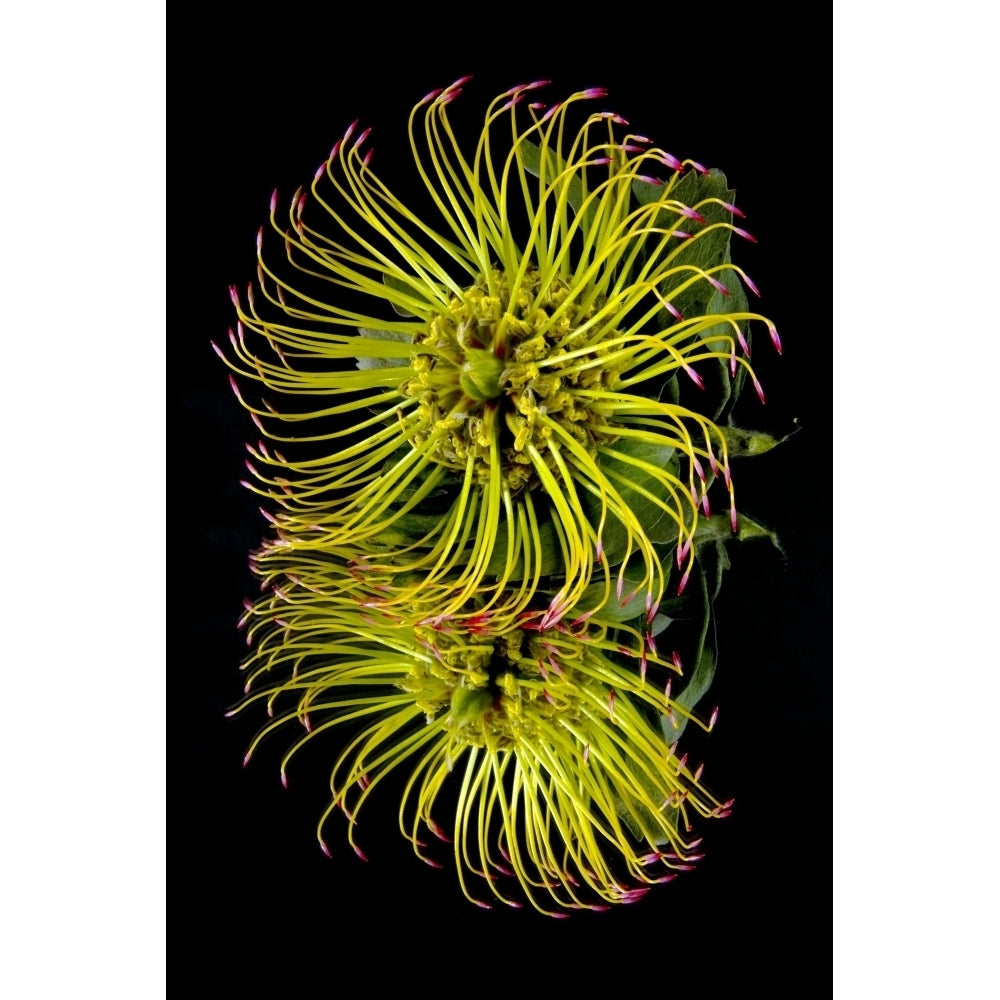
point(506, 413)
point(569, 794)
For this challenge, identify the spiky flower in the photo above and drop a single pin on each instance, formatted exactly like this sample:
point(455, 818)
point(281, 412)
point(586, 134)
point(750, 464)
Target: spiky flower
point(544, 742)
point(507, 416)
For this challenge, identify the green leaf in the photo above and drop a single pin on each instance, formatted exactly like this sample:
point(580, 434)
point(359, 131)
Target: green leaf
point(631, 605)
point(694, 691)
point(744, 443)
point(660, 624)
point(551, 554)
point(703, 659)
point(531, 157)
point(377, 349)
point(718, 529)
point(634, 485)
point(720, 304)
point(716, 567)
point(703, 251)
point(396, 285)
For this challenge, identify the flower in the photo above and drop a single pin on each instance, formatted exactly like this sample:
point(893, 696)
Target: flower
point(569, 793)
point(506, 417)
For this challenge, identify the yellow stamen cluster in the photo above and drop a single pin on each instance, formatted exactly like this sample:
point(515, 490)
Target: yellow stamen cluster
point(496, 367)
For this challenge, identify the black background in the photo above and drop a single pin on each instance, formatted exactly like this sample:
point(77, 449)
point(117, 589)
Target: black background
point(250, 894)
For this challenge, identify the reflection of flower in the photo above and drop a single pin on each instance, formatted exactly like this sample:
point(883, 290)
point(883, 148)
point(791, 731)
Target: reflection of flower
point(568, 794)
point(497, 416)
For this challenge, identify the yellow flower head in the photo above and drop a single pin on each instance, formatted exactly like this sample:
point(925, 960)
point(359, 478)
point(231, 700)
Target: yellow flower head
point(504, 421)
point(545, 742)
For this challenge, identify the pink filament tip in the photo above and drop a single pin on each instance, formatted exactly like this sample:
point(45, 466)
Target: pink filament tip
point(594, 92)
point(274, 200)
point(643, 664)
point(361, 854)
point(681, 235)
point(711, 724)
point(669, 160)
point(683, 583)
point(733, 521)
point(429, 97)
point(732, 365)
point(682, 551)
point(350, 130)
point(648, 179)
point(744, 234)
point(695, 377)
point(460, 82)
point(666, 691)
point(361, 138)
point(673, 310)
point(734, 209)
point(759, 388)
point(775, 339)
point(234, 295)
point(320, 170)
point(611, 702)
point(325, 849)
point(715, 283)
point(437, 831)
point(749, 283)
point(284, 779)
point(706, 510)
point(217, 349)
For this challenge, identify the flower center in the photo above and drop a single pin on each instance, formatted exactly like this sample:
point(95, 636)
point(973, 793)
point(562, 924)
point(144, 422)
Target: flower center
point(502, 372)
point(498, 691)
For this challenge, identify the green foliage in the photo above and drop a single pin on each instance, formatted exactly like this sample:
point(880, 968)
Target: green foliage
point(378, 349)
